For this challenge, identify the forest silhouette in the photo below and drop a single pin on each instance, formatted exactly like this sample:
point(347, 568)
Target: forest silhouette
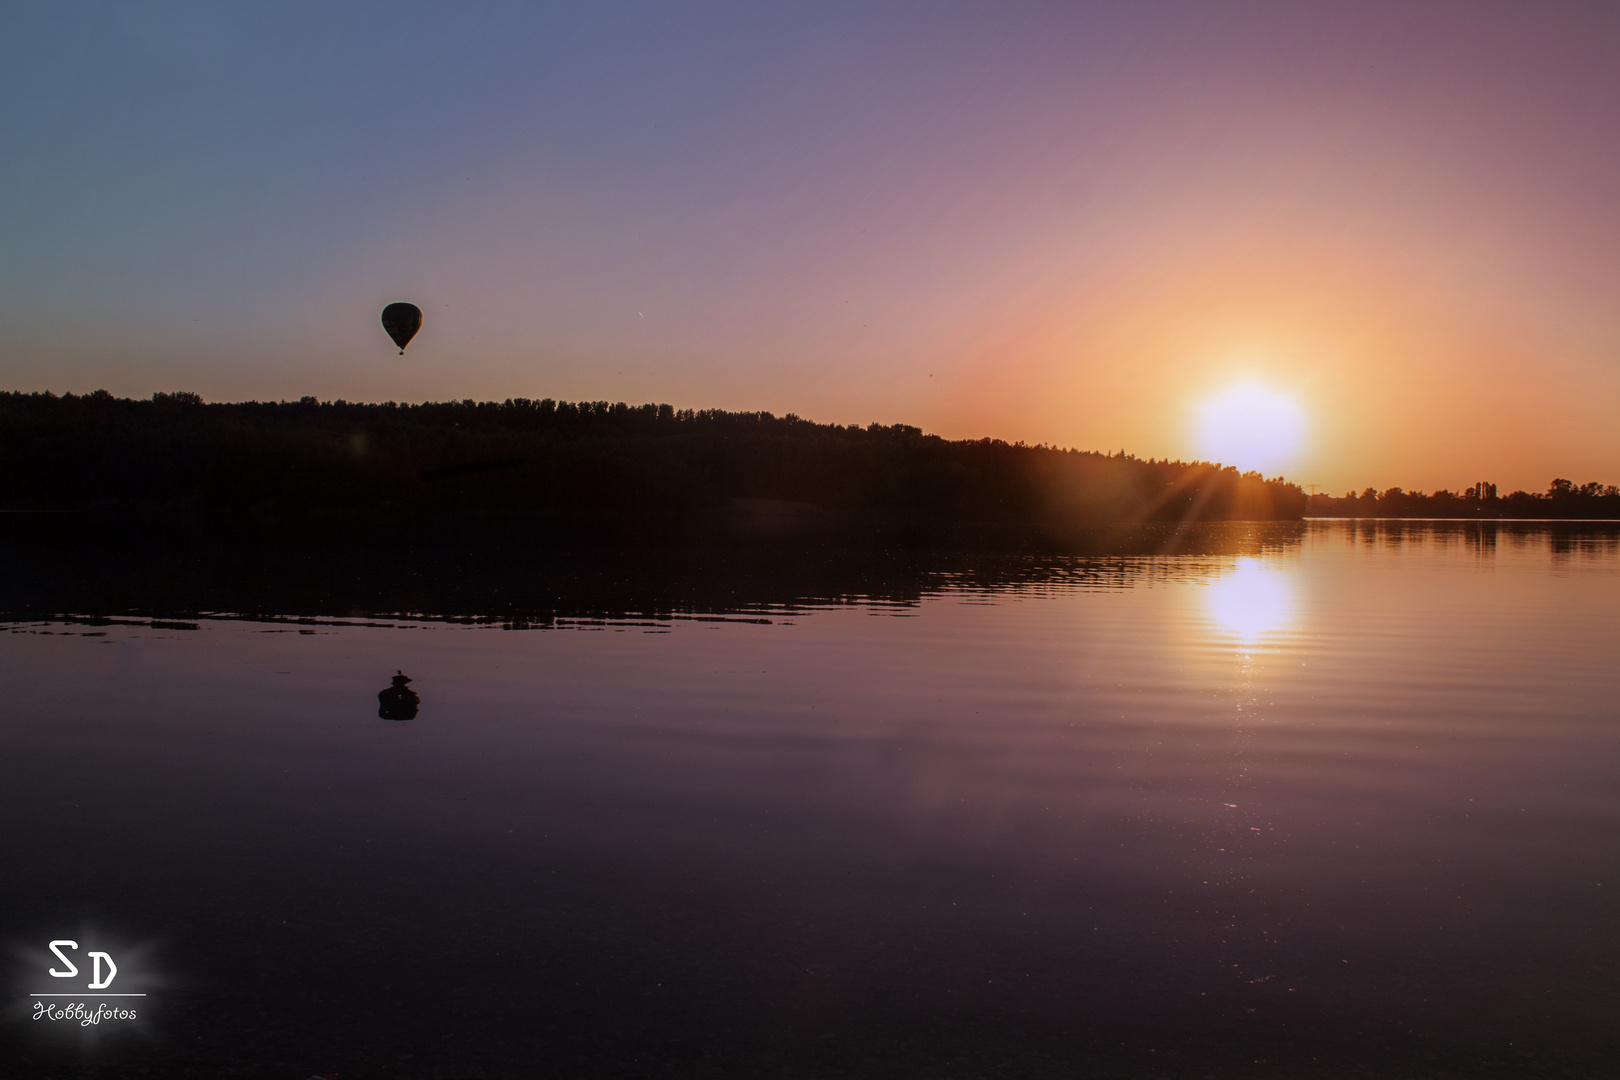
point(561, 472)
point(554, 469)
point(540, 510)
point(1563, 500)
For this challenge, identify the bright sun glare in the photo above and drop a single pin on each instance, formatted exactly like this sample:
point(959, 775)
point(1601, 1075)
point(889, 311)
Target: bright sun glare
point(1252, 427)
point(1251, 602)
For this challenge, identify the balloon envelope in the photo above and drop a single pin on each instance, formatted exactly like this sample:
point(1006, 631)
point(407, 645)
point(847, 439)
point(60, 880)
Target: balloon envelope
point(402, 321)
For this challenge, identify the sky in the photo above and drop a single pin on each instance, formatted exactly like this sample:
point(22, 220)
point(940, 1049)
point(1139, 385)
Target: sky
point(1065, 223)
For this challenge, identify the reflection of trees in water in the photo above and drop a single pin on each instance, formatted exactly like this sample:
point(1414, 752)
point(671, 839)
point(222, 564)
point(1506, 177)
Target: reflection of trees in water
point(1583, 543)
point(1562, 539)
point(1481, 539)
point(125, 582)
point(399, 701)
point(100, 572)
point(98, 577)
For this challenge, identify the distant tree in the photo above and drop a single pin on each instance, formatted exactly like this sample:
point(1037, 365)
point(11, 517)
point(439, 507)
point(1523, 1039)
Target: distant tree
point(1563, 499)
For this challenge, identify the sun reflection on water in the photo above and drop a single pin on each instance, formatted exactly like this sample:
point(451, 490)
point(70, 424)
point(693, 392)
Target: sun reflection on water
point(1251, 602)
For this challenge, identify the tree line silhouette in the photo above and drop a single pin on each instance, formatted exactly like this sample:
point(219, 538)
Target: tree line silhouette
point(1563, 500)
point(458, 468)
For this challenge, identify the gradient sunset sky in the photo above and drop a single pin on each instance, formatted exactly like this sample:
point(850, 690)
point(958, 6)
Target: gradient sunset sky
point(1067, 223)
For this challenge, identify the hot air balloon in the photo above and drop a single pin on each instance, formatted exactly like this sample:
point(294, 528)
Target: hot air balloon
point(402, 321)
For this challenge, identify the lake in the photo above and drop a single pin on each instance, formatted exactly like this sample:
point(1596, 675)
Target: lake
point(1332, 799)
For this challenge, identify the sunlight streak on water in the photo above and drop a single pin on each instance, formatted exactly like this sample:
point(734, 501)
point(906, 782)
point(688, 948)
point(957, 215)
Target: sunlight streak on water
point(1252, 602)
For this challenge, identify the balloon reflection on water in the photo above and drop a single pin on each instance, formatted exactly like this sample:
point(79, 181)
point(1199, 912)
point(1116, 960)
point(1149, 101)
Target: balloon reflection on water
point(1251, 602)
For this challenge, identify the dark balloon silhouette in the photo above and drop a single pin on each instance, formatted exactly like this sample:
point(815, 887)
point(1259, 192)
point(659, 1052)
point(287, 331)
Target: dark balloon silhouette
point(398, 702)
point(402, 321)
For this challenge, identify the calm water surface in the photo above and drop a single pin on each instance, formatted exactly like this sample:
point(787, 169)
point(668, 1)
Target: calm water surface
point(1346, 805)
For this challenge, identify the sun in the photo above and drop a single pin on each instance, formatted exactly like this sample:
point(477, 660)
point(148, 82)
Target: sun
point(1252, 427)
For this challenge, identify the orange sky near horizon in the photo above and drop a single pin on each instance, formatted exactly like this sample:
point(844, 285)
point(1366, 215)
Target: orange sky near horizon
point(1066, 223)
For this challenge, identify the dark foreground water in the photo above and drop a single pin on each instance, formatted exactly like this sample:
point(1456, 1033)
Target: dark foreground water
point(1343, 802)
